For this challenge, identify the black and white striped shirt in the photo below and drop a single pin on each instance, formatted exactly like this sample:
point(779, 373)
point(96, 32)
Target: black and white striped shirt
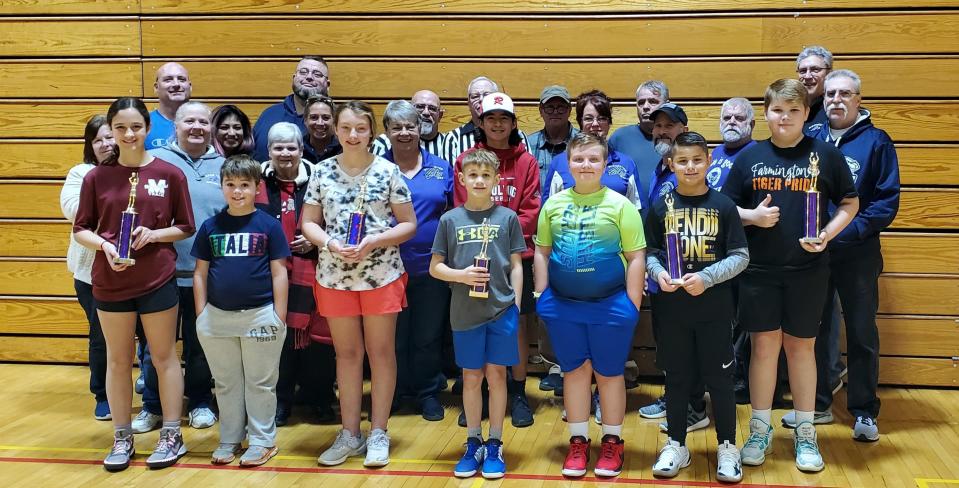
point(462, 138)
point(435, 147)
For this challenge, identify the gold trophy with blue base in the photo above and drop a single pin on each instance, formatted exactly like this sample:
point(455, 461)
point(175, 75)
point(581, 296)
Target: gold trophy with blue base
point(482, 260)
point(674, 251)
point(811, 224)
point(129, 220)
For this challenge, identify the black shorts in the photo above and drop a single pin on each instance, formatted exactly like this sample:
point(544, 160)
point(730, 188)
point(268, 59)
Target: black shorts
point(789, 300)
point(687, 348)
point(158, 300)
point(527, 303)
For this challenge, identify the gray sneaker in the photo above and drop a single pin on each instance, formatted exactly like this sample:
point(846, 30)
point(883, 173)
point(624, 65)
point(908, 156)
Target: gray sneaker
point(145, 422)
point(759, 442)
point(343, 447)
point(257, 456)
point(170, 448)
point(866, 429)
point(202, 418)
point(789, 420)
point(694, 421)
point(120, 455)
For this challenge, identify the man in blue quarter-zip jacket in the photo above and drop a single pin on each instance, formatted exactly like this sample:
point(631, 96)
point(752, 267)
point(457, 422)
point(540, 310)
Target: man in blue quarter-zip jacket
point(855, 256)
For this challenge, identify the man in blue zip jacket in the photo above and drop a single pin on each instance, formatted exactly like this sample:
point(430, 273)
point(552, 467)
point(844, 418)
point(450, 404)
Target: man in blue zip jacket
point(855, 255)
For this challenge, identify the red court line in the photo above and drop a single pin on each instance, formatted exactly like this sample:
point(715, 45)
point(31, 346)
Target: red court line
point(433, 474)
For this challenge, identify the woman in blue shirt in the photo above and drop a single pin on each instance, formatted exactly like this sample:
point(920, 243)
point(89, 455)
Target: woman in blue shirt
point(419, 328)
point(594, 114)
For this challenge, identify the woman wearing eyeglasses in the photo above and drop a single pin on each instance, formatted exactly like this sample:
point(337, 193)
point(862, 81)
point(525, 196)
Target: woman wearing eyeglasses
point(595, 116)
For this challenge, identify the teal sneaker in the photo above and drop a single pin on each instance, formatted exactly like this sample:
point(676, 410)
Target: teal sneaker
point(759, 442)
point(805, 443)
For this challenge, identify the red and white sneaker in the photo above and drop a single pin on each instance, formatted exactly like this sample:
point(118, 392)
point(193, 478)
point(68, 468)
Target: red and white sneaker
point(577, 459)
point(610, 461)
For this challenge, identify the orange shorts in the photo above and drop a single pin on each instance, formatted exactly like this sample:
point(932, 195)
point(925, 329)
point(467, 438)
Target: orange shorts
point(346, 303)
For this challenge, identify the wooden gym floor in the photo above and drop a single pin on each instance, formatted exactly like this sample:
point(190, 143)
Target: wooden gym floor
point(48, 438)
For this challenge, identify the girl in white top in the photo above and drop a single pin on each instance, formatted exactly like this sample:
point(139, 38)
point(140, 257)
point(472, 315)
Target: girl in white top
point(97, 147)
point(360, 288)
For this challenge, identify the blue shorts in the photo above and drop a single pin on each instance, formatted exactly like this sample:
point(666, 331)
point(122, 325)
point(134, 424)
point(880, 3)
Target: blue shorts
point(601, 330)
point(493, 342)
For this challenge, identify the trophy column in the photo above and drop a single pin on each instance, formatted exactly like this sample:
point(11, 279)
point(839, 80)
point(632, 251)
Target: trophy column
point(129, 220)
point(812, 203)
point(674, 251)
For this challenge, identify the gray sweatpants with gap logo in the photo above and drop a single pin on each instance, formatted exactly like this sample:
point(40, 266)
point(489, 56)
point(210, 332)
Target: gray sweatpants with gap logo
point(243, 349)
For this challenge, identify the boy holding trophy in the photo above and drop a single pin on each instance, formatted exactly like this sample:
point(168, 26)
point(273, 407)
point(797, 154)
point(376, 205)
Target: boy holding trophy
point(782, 187)
point(696, 246)
point(478, 249)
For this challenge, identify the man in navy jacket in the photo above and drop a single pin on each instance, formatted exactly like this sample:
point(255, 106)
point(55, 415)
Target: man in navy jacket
point(855, 256)
point(311, 77)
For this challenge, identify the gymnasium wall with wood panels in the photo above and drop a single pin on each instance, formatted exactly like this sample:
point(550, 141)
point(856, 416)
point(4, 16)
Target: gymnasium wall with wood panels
point(62, 61)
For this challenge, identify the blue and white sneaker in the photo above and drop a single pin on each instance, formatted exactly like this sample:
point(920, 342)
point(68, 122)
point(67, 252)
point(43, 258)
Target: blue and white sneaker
point(805, 443)
point(655, 410)
point(597, 412)
point(472, 459)
point(494, 467)
point(866, 429)
point(759, 442)
point(729, 466)
point(102, 411)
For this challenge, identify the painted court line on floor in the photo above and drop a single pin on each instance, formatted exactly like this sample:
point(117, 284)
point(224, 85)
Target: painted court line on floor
point(925, 482)
point(432, 474)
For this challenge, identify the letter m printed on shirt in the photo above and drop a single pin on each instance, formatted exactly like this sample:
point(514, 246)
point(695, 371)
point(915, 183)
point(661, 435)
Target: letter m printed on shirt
point(156, 188)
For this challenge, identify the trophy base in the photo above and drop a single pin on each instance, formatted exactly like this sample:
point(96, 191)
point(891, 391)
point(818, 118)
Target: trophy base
point(127, 261)
point(811, 240)
point(676, 282)
point(479, 294)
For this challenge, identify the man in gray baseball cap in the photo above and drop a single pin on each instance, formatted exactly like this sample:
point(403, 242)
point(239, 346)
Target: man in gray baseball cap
point(554, 108)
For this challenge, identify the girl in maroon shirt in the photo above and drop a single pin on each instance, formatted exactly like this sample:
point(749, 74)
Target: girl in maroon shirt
point(147, 288)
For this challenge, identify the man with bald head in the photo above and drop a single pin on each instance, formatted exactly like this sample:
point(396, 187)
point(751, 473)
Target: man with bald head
point(311, 77)
point(173, 89)
point(463, 137)
point(427, 104)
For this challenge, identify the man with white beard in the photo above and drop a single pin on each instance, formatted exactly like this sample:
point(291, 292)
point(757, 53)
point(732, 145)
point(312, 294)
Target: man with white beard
point(855, 257)
point(427, 104)
point(736, 123)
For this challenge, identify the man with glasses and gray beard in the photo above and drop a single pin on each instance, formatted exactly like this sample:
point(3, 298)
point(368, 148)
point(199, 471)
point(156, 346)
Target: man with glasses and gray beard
point(311, 77)
point(736, 123)
point(430, 110)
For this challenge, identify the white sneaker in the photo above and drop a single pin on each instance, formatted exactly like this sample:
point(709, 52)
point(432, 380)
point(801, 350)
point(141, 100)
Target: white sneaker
point(806, 445)
point(672, 458)
point(759, 443)
point(344, 446)
point(866, 429)
point(145, 422)
point(729, 466)
point(377, 449)
point(202, 418)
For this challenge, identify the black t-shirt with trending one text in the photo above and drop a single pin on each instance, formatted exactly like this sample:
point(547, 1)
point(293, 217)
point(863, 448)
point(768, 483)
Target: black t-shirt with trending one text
point(709, 227)
point(784, 173)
